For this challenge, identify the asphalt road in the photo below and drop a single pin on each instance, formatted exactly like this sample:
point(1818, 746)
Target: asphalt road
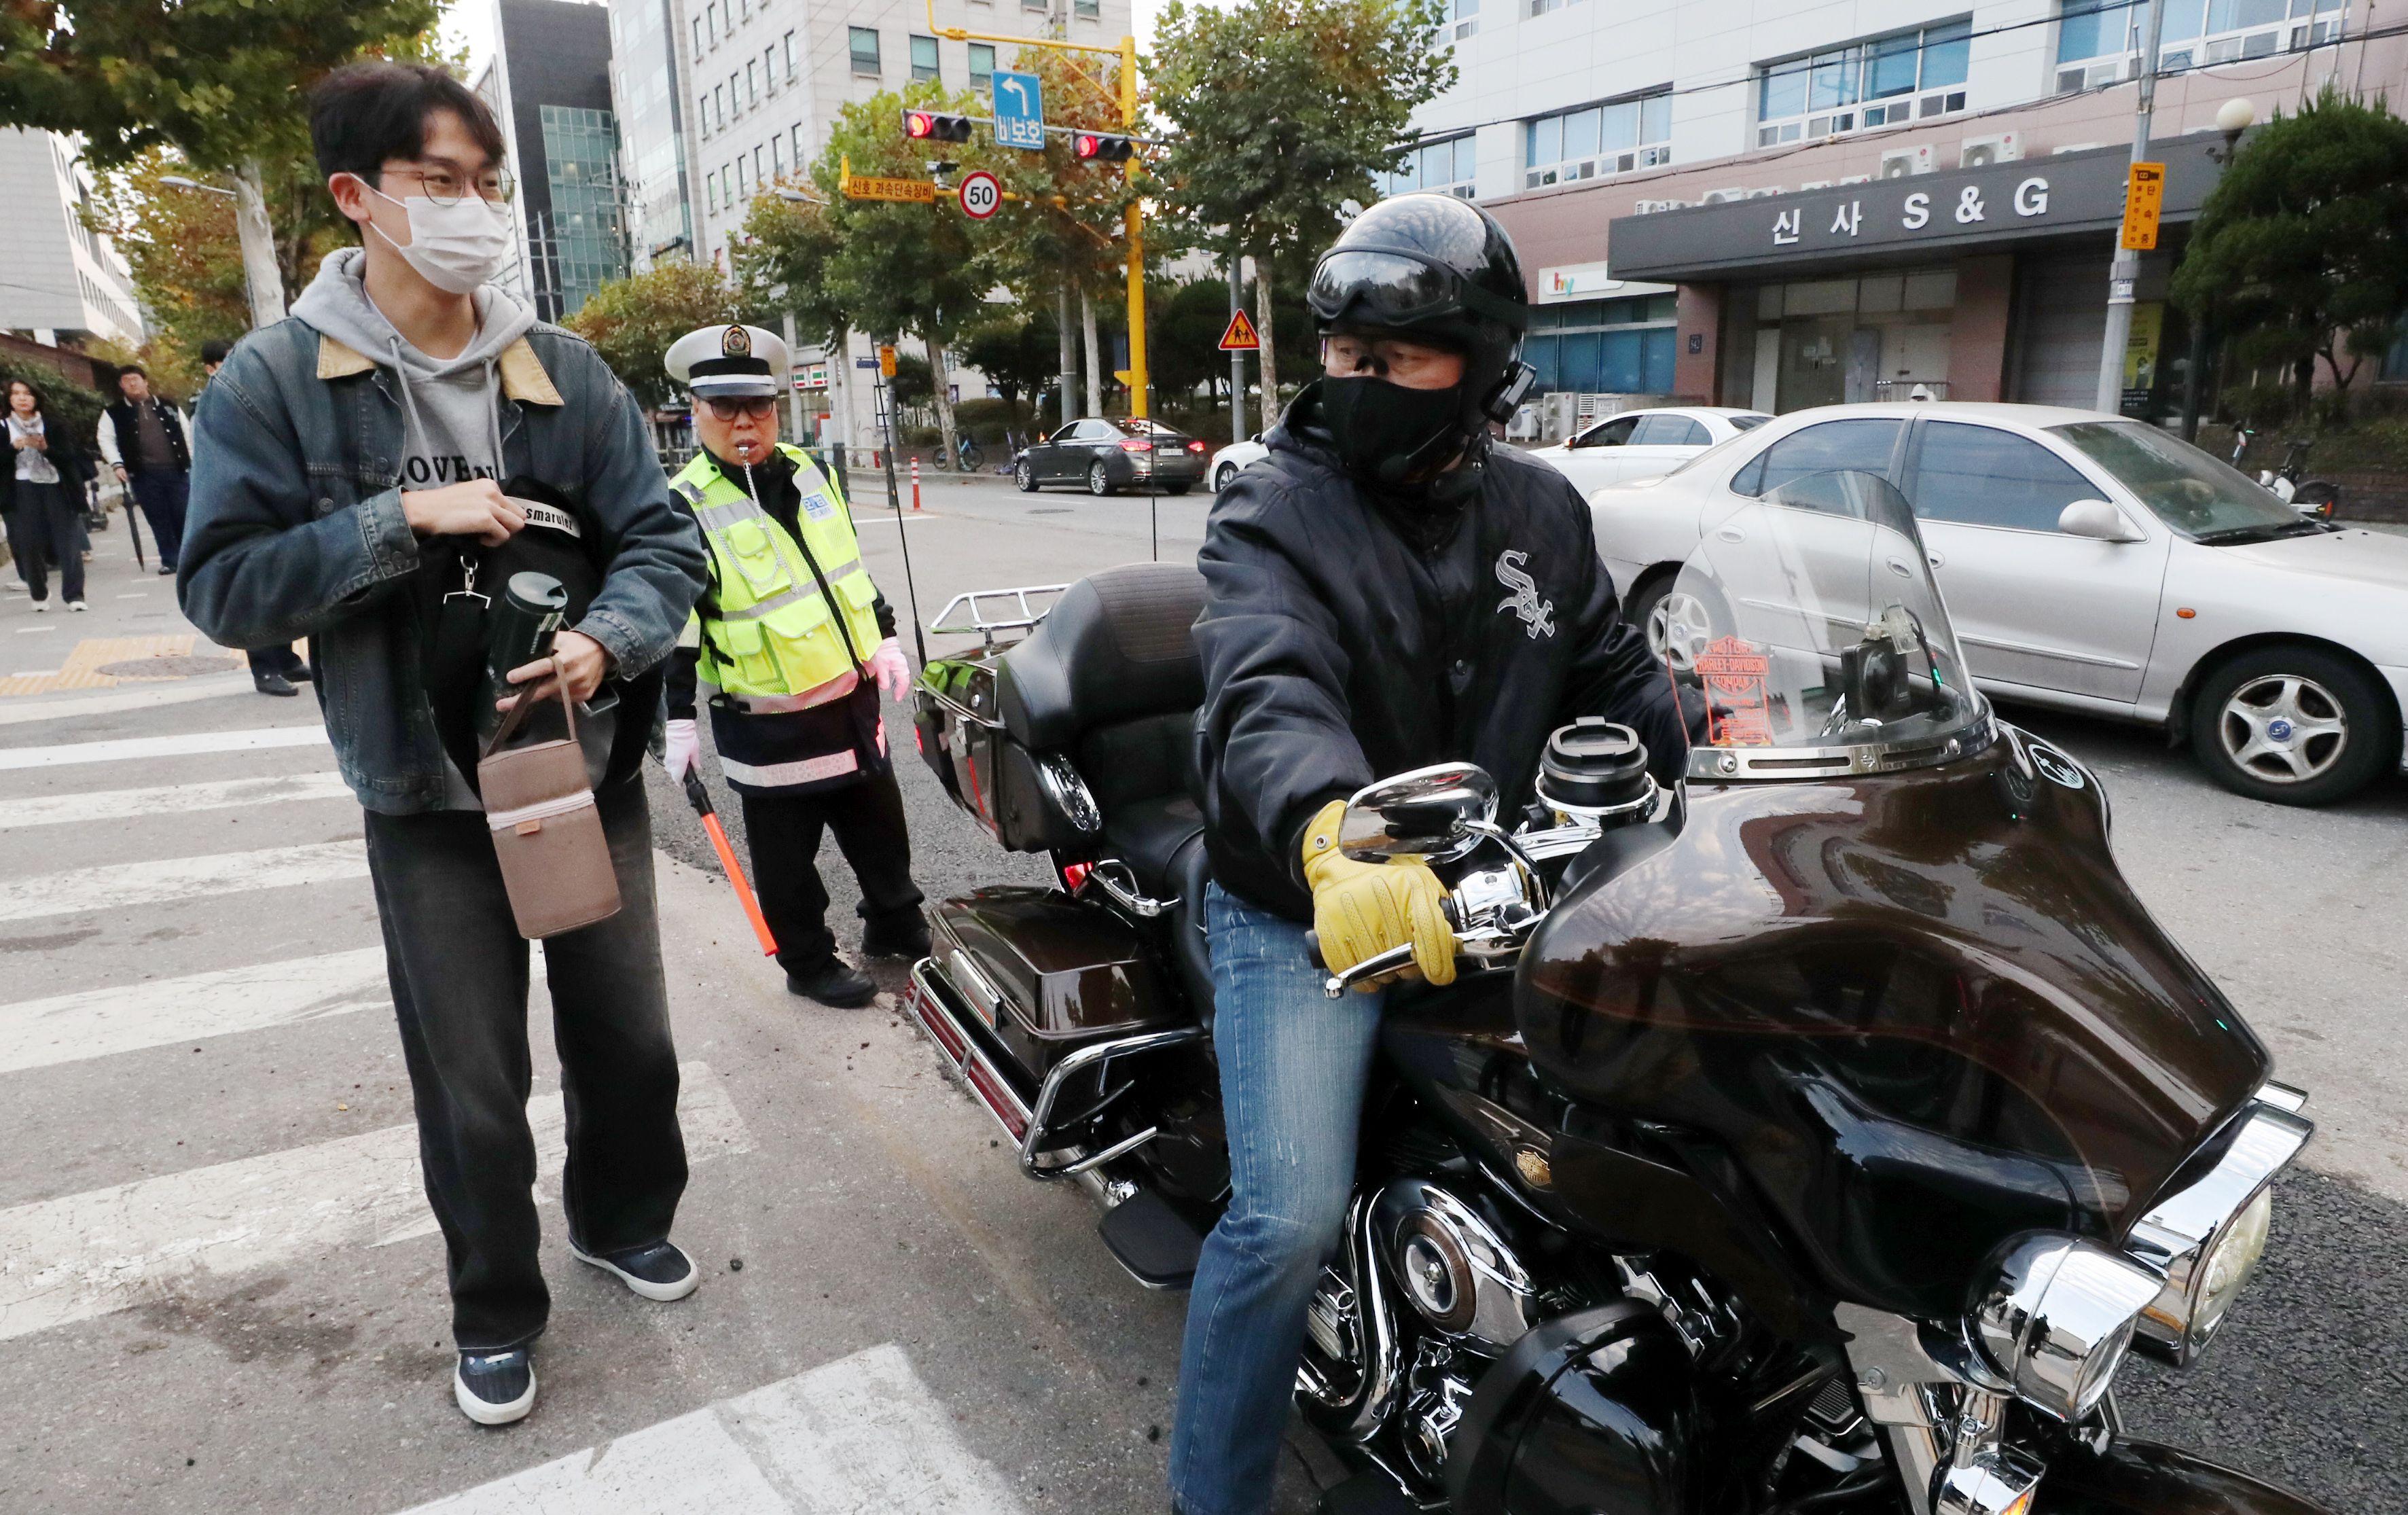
point(212, 1295)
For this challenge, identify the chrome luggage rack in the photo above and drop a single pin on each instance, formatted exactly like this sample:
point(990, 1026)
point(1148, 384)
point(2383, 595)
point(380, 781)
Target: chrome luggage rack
point(972, 605)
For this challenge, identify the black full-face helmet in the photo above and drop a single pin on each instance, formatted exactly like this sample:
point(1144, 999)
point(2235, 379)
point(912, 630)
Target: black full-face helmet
point(1434, 267)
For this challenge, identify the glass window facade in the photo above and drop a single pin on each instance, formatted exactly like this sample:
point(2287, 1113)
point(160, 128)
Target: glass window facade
point(587, 235)
point(863, 43)
point(923, 59)
point(650, 123)
point(1604, 347)
point(1906, 77)
point(1436, 166)
point(983, 66)
point(1088, 9)
point(2098, 41)
point(1597, 141)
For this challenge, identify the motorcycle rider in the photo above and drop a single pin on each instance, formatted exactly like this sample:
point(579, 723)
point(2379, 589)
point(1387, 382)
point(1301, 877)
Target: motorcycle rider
point(1388, 590)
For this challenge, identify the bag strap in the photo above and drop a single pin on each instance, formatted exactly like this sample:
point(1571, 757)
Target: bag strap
point(517, 713)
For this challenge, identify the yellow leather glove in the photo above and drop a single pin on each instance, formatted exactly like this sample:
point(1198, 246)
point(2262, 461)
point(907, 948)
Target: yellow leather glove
point(1362, 909)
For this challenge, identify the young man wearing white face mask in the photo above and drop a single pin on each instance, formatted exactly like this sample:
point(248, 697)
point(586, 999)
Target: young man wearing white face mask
point(350, 464)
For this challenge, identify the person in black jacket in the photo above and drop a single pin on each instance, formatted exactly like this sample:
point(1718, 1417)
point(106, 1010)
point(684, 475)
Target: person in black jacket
point(1386, 591)
point(42, 479)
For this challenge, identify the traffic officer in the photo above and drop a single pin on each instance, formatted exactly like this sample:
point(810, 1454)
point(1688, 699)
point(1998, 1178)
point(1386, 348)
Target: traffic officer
point(791, 644)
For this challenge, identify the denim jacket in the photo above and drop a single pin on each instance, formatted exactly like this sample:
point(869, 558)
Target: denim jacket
point(296, 529)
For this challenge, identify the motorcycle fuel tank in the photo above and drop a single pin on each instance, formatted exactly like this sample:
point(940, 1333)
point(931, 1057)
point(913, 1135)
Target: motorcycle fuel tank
point(1919, 1012)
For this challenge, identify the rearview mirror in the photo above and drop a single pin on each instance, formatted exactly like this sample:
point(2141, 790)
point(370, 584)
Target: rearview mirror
point(2096, 520)
point(1430, 813)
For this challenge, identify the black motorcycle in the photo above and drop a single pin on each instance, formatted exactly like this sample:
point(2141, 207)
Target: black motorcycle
point(1817, 1135)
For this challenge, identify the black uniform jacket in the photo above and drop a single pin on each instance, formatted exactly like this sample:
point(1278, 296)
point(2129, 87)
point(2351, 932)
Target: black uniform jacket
point(1345, 640)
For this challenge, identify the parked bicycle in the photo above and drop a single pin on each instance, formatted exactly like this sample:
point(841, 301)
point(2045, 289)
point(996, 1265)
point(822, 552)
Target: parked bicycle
point(968, 455)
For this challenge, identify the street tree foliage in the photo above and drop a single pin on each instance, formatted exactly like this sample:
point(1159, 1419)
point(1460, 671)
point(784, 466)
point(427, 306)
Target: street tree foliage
point(1283, 112)
point(2301, 250)
point(631, 321)
point(220, 81)
point(900, 268)
point(1018, 352)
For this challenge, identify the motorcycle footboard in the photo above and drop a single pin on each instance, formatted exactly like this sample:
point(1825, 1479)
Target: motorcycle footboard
point(1152, 1240)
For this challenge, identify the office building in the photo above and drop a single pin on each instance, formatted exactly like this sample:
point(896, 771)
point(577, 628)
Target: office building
point(61, 284)
point(1760, 203)
point(550, 84)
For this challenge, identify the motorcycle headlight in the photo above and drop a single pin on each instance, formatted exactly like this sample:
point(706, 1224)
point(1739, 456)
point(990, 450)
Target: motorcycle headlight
point(2056, 1320)
point(2205, 1241)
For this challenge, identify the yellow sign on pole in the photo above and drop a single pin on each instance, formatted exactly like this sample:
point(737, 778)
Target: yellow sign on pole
point(862, 187)
point(2144, 197)
point(887, 362)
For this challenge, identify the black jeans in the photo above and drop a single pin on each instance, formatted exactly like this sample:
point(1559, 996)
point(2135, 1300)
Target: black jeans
point(783, 831)
point(163, 494)
point(459, 972)
point(48, 535)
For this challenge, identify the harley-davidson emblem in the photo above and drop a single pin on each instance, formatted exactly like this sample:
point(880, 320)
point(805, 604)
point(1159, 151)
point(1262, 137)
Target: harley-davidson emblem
point(1523, 601)
point(735, 342)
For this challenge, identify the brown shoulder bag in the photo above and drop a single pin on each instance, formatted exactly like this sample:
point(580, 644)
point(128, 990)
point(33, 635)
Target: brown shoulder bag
point(547, 828)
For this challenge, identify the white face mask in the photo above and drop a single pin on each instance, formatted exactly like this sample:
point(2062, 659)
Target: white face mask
point(453, 247)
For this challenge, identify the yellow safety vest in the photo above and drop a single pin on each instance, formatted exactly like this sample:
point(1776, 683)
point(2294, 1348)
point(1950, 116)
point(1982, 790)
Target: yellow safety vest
point(767, 633)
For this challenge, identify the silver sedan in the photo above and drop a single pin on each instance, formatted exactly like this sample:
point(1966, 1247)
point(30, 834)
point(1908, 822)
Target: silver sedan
point(2094, 564)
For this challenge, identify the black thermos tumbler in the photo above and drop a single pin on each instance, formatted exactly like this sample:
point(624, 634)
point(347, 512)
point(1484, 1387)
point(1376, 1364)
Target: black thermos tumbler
point(524, 623)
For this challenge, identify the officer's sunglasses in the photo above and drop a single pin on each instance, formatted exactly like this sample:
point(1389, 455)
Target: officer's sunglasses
point(753, 408)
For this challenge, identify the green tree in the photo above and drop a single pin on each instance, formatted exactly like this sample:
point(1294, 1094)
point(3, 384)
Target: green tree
point(1183, 349)
point(219, 80)
point(1285, 111)
point(903, 268)
point(783, 259)
point(2302, 248)
point(631, 321)
point(1017, 354)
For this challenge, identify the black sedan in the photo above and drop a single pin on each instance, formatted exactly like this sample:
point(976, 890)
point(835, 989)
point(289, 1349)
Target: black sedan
point(1108, 456)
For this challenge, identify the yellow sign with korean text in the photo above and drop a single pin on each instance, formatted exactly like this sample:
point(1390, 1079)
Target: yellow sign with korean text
point(2144, 197)
point(906, 191)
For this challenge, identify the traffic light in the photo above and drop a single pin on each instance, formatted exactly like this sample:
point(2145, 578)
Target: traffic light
point(1094, 147)
point(931, 126)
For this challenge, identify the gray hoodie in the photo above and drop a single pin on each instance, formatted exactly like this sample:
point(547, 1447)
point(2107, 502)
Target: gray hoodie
point(454, 431)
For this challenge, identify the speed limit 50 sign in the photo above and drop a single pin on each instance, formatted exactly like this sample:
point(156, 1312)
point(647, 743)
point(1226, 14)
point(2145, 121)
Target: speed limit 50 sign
point(981, 195)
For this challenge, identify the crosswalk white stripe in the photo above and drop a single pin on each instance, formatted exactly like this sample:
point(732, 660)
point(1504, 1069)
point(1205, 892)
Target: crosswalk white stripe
point(83, 1255)
point(862, 1436)
point(120, 886)
point(103, 1022)
point(170, 799)
point(189, 744)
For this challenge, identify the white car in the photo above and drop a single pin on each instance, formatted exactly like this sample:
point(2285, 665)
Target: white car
point(2092, 564)
point(1229, 459)
point(1644, 444)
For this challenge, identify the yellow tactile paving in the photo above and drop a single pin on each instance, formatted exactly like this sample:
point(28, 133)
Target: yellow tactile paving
point(81, 669)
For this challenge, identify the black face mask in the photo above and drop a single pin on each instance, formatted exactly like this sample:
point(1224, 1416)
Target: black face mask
point(1388, 436)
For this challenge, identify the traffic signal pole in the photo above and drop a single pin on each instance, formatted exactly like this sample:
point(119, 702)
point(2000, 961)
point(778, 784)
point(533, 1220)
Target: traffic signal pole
point(1132, 221)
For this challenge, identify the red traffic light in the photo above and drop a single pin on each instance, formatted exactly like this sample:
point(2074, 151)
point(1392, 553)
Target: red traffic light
point(935, 126)
point(1095, 146)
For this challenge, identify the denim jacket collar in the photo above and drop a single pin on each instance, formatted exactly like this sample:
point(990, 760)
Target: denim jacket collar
point(523, 378)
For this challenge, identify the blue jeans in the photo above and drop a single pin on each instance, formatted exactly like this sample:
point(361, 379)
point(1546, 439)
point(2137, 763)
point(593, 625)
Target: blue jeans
point(162, 494)
point(1293, 1068)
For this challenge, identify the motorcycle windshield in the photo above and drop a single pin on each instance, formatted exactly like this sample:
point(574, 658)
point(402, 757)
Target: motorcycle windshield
point(1809, 626)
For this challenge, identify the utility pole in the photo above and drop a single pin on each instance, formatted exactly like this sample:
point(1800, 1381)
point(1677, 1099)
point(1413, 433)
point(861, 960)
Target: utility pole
point(1236, 358)
point(2123, 274)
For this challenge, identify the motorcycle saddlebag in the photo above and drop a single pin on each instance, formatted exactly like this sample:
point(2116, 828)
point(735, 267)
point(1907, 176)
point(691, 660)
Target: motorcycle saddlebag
point(1028, 802)
point(1048, 973)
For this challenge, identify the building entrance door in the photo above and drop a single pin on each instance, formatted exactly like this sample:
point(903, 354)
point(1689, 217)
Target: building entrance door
point(1813, 360)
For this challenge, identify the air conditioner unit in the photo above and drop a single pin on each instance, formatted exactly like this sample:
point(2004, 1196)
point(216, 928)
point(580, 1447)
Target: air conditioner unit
point(1725, 196)
point(1814, 184)
point(1856, 178)
point(1899, 163)
point(1762, 194)
point(1981, 151)
point(1648, 208)
point(2076, 147)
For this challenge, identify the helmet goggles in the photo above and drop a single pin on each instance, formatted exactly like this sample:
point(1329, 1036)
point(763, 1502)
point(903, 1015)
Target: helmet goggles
point(1398, 288)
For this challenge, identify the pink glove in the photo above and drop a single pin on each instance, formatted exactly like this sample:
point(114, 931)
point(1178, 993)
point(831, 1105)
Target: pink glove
point(892, 669)
point(685, 750)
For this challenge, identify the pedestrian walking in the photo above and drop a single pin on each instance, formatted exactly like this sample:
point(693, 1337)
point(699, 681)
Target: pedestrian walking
point(41, 496)
point(349, 485)
point(148, 445)
point(275, 669)
point(792, 642)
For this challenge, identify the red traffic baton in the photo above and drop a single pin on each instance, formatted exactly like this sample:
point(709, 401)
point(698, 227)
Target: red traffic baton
point(699, 797)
